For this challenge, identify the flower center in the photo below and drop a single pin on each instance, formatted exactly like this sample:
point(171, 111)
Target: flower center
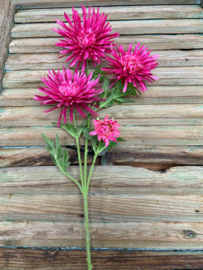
point(69, 89)
point(86, 37)
point(131, 63)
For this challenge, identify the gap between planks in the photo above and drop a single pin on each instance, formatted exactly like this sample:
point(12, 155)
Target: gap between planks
point(114, 13)
point(156, 42)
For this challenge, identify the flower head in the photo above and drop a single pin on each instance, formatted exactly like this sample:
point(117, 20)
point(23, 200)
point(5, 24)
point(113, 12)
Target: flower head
point(107, 130)
point(70, 90)
point(132, 67)
point(89, 40)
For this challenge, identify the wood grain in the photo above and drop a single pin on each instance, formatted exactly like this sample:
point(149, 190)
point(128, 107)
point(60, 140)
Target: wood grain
point(155, 154)
point(23, 259)
point(155, 95)
point(160, 235)
point(182, 26)
point(129, 114)
point(167, 76)
point(186, 180)
point(135, 135)
point(114, 13)
point(165, 156)
point(52, 61)
point(62, 3)
point(32, 157)
point(7, 9)
point(158, 42)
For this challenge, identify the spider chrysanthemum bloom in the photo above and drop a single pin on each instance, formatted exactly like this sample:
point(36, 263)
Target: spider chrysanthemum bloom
point(66, 89)
point(106, 130)
point(86, 40)
point(132, 67)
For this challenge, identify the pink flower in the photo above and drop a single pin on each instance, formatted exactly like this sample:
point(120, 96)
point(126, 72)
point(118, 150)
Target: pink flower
point(90, 39)
point(107, 130)
point(70, 90)
point(132, 67)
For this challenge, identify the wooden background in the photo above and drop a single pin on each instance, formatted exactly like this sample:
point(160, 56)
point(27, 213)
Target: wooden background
point(146, 204)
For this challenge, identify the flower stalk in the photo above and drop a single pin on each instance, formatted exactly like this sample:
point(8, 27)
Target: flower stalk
point(90, 39)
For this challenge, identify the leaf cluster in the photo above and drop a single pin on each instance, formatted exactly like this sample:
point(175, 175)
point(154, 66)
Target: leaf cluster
point(59, 156)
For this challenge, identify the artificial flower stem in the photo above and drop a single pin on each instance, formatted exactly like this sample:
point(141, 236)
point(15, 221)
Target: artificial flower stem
point(88, 249)
point(78, 151)
point(75, 181)
point(85, 157)
point(91, 170)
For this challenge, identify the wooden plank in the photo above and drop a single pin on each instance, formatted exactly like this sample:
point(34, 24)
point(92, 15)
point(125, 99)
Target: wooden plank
point(158, 42)
point(52, 61)
point(123, 153)
point(129, 114)
point(142, 156)
point(181, 26)
point(112, 180)
point(143, 235)
point(102, 208)
point(135, 135)
point(114, 13)
point(17, 157)
point(62, 3)
point(154, 95)
point(23, 259)
point(167, 76)
point(7, 9)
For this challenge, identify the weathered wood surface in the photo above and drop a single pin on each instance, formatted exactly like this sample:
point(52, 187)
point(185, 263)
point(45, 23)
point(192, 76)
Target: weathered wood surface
point(167, 76)
point(187, 180)
point(23, 259)
point(140, 156)
point(158, 42)
point(52, 61)
point(133, 135)
point(102, 208)
point(155, 154)
point(160, 235)
point(6, 20)
point(129, 114)
point(62, 3)
point(182, 26)
point(13, 157)
point(114, 13)
point(154, 95)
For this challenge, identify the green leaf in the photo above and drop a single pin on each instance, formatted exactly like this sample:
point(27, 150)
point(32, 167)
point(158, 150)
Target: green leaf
point(111, 145)
point(119, 139)
point(60, 157)
point(98, 72)
point(70, 129)
point(86, 132)
point(94, 143)
point(101, 147)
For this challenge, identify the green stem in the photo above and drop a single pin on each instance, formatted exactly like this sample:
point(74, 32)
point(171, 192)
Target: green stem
point(88, 250)
point(75, 181)
point(91, 170)
point(78, 151)
point(85, 156)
